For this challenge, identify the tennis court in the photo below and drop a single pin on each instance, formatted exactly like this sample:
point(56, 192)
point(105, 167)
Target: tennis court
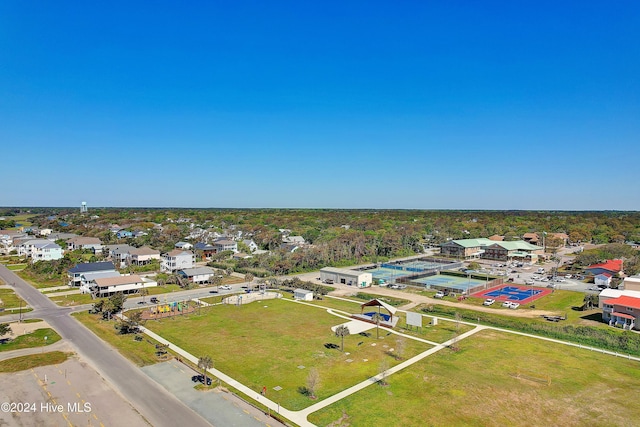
point(453, 283)
point(387, 275)
point(515, 293)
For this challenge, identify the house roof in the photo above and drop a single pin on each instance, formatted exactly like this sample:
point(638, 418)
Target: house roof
point(623, 315)
point(471, 243)
point(99, 275)
point(530, 236)
point(224, 242)
point(197, 271)
point(302, 291)
point(92, 266)
point(145, 250)
point(615, 293)
point(625, 301)
point(613, 265)
point(118, 280)
point(203, 246)
point(518, 245)
point(84, 240)
point(496, 238)
point(607, 275)
point(177, 252)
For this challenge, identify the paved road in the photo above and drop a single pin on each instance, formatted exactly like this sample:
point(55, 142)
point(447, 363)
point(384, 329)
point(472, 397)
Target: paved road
point(158, 406)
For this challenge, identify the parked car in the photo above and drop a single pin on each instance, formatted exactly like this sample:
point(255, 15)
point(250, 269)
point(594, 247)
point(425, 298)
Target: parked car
point(439, 294)
point(506, 304)
point(154, 300)
point(200, 379)
point(514, 305)
point(225, 287)
point(530, 282)
point(568, 276)
point(488, 301)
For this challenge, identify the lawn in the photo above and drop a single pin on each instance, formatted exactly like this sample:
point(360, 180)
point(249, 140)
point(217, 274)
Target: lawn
point(477, 386)
point(33, 361)
point(16, 267)
point(73, 299)
point(275, 343)
point(142, 353)
point(10, 299)
point(34, 339)
point(40, 283)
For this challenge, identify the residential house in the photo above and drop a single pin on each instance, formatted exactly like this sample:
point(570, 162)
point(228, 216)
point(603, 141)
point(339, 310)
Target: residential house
point(39, 249)
point(603, 279)
point(143, 255)
point(622, 312)
point(611, 266)
point(74, 274)
point(289, 247)
point(177, 260)
point(45, 231)
point(222, 245)
point(198, 274)
point(615, 293)
point(496, 238)
point(532, 238)
point(129, 284)
point(294, 240)
point(241, 255)
point(123, 234)
point(251, 245)
point(117, 253)
point(183, 245)
point(86, 279)
point(204, 250)
point(61, 236)
point(92, 243)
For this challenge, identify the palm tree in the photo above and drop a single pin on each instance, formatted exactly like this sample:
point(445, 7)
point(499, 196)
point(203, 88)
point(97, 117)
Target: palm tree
point(377, 318)
point(205, 363)
point(342, 331)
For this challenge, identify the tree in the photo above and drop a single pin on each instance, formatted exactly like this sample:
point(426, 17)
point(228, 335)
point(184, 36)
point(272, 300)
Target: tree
point(248, 277)
point(131, 323)
point(118, 299)
point(313, 381)
point(377, 318)
point(4, 329)
point(341, 332)
point(143, 293)
point(384, 368)
point(401, 346)
point(205, 363)
point(473, 265)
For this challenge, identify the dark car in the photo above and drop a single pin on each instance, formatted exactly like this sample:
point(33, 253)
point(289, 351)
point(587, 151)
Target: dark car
point(154, 300)
point(200, 379)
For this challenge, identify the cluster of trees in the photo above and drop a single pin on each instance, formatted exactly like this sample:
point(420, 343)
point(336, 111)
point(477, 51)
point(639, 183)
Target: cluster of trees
point(631, 257)
point(296, 283)
point(342, 237)
point(110, 306)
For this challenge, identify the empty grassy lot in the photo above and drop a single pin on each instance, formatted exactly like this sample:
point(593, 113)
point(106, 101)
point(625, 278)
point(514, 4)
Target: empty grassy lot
point(141, 353)
point(477, 386)
point(34, 339)
point(10, 299)
point(266, 343)
point(33, 361)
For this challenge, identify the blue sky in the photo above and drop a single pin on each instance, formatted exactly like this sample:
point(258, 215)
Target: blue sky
point(428, 105)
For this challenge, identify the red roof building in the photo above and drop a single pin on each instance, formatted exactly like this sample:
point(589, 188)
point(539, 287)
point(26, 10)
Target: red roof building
point(610, 266)
point(622, 312)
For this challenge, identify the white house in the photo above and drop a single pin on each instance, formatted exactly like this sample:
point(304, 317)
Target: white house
point(303, 295)
point(131, 284)
point(177, 260)
point(39, 250)
point(603, 279)
point(251, 245)
point(225, 245)
point(360, 279)
point(183, 245)
point(46, 231)
point(198, 274)
point(86, 279)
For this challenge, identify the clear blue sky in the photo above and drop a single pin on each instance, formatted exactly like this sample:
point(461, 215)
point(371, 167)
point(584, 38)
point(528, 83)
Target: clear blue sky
point(430, 105)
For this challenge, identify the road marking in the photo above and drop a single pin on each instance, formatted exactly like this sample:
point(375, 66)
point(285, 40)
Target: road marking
point(245, 411)
point(65, 417)
point(78, 394)
point(94, 416)
point(69, 383)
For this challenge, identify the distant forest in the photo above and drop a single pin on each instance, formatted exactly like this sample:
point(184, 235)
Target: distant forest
point(338, 237)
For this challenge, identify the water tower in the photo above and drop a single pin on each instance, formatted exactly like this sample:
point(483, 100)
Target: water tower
point(83, 207)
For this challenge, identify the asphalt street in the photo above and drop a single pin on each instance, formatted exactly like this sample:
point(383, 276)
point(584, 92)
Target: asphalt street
point(158, 406)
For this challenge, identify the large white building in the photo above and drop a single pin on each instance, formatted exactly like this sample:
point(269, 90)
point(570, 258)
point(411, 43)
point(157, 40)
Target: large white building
point(177, 260)
point(360, 279)
point(131, 284)
point(40, 250)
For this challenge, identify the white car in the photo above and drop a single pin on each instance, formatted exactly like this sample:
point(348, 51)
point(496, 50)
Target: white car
point(488, 301)
point(439, 294)
point(506, 304)
point(225, 287)
point(514, 305)
point(568, 276)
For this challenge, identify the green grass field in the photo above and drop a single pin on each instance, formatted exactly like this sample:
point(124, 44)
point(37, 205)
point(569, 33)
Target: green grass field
point(34, 339)
point(477, 386)
point(33, 361)
point(141, 353)
point(16, 267)
point(10, 299)
point(73, 300)
point(265, 343)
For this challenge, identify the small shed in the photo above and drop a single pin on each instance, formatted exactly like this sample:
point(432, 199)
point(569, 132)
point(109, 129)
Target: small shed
point(303, 294)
